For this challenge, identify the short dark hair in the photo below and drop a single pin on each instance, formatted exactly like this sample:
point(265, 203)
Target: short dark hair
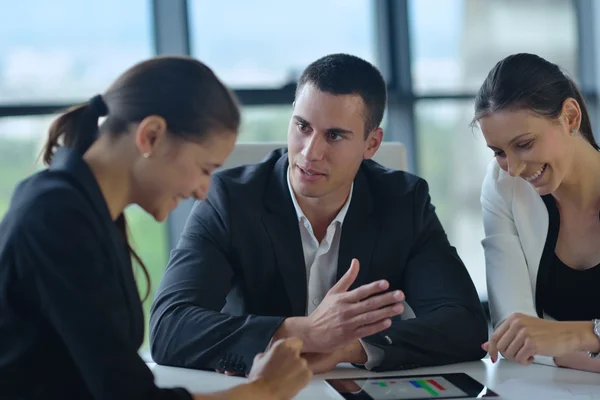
point(341, 74)
point(528, 82)
point(182, 90)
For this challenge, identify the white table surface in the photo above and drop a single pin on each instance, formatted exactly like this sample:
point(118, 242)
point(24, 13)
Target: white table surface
point(503, 377)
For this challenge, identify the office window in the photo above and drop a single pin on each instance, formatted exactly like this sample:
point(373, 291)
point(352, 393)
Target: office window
point(270, 123)
point(267, 43)
point(454, 47)
point(150, 240)
point(265, 123)
point(453, 50)
point(21, 140)
point(453, 160)
point(63, 54)
point(71, 50)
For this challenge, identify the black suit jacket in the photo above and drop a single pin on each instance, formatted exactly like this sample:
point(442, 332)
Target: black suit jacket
point(239, 270)
point(71, 320)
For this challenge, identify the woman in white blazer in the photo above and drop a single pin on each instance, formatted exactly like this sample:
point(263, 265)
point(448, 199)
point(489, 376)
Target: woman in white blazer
point(541, 203)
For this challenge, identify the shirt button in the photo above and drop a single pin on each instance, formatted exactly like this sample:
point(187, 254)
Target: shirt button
point(316, 302)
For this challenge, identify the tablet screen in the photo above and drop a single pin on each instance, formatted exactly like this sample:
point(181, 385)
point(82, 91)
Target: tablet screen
point(456, 385)
point(434, 387)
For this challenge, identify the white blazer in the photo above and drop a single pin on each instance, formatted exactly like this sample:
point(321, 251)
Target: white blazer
point(515, 221)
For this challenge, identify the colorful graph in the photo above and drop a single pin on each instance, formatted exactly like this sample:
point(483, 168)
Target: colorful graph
point(427, 386)
point(382, 383)
point(430, 386)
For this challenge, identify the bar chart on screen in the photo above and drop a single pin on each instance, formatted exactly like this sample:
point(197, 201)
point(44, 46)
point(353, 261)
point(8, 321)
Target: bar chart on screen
point(433, 387)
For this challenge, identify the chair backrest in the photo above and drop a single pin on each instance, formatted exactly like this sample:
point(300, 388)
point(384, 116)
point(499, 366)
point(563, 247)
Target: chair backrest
point(390, 154)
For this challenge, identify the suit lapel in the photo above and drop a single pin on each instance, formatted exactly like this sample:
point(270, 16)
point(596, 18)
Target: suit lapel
point(70, 161)
point(281, 223)
point(128, 282)
point(359, 231)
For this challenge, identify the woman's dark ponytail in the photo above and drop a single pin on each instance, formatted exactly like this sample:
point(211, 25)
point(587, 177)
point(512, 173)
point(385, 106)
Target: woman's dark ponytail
point(182, 90)
point(77, 127)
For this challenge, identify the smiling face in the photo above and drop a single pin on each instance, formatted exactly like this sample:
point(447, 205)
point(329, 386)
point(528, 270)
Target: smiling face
point(535, 148)
point(175, 168)
point(326, 143)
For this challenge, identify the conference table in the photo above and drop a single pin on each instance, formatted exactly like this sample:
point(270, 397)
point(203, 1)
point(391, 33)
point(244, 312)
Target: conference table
point(509, 380)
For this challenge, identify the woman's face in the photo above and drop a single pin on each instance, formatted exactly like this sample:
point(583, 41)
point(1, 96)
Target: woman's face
point(532, 147)
point(178, 169)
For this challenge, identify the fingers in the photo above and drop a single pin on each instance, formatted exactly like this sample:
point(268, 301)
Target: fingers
point(379, 301)
point(493, 342)
point(285, 349)
point(291, 371)
point(372, 329)
point(220, 371)
point(374, 309)
point(505, 341)
point(365, 291)
point(377, 315)
point(258, 357)
point(514, 346)
point(305, 373)
point(347, 280)
point(492, 351)
point(301, 378)
point(525, 355)
point(530, 360)
point(293, 343)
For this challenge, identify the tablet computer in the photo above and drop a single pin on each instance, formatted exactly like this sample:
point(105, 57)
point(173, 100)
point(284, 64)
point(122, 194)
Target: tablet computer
point(411, 387)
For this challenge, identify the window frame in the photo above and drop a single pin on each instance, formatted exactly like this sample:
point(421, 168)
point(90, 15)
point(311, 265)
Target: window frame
point(170, 27)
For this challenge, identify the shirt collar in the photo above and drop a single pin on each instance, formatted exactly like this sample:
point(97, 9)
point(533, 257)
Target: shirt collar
point(300, 214)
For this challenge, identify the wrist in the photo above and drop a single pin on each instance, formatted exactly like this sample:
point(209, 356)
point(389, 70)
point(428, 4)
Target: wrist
point(356, 353)
point(259, 389)
point(588, 341)
point(255, 390)
point(295, 327)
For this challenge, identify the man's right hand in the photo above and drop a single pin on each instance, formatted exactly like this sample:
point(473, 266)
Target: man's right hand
point(345, 316)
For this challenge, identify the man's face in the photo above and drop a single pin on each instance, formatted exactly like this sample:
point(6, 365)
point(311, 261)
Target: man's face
point(326, 142)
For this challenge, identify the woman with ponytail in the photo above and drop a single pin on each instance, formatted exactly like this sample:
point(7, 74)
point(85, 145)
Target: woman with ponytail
point(71, 320)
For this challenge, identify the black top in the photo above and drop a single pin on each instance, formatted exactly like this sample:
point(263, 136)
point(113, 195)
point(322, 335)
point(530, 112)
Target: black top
point(71, 320)
point(569, 294)
point(238, 271)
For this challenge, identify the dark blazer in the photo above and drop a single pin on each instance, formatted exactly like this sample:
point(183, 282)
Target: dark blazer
point(238, 271)
point(71, 320)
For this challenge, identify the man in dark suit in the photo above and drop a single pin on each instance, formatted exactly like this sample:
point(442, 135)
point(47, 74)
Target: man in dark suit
point(319, 242)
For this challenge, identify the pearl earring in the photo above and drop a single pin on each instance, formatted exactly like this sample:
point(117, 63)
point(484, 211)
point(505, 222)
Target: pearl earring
point(146, 155)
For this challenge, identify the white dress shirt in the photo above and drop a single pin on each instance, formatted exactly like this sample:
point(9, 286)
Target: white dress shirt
point(322, 261)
